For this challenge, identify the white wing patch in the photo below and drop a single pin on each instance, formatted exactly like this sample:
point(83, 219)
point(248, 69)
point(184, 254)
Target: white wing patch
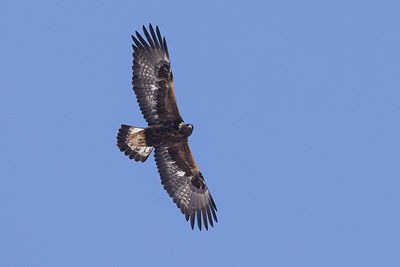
point(144, 151)
point(180, 173)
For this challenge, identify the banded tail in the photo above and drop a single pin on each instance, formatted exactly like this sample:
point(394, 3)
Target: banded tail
point(132, 141)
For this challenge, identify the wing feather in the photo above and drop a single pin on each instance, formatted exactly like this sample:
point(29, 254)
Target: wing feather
point(165, 46)
point(199, 219)
point(203, 210)
point(185, 184)
point(159, 36)
point(209, 216)
point(137, 43)
point(153, 35)
point(148, 38)
point(142, 41)
point(192, 221)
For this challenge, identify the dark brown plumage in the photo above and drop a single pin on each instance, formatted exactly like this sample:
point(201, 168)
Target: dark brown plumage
point(166, 132)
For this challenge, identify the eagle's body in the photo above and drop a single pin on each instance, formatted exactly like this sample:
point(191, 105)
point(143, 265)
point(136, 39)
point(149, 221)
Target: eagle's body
point(166, 132)
point(168, 135)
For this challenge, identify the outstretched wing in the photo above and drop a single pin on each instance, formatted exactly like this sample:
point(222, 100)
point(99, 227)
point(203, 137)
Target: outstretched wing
point(184, 182)
point(152, 78)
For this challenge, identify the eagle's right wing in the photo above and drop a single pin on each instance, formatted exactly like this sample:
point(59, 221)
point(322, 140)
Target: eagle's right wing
point(184, 182)
point(152, 78)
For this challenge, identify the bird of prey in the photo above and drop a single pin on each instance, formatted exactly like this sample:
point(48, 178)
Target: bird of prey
point(166, 133)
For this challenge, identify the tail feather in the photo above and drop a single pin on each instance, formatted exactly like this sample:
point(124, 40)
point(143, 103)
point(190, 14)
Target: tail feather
point(132, 141)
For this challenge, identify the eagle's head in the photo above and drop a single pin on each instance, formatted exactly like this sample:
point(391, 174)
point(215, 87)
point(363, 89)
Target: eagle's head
point(185, 129)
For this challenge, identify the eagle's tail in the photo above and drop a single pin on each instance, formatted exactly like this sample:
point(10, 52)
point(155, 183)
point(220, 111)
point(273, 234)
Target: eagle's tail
point(132, 141)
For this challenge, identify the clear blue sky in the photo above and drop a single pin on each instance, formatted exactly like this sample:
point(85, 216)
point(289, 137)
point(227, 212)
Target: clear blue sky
point(296, 107)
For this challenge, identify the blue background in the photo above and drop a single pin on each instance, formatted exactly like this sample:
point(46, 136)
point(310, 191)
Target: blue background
point(296, 107)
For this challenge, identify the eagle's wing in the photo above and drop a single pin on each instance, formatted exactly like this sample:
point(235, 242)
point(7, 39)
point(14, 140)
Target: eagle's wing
point(184, 182)
point(152, 78)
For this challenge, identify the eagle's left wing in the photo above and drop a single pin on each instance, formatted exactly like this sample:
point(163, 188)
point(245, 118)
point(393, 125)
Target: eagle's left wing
point(152, 78)
point(184, 182)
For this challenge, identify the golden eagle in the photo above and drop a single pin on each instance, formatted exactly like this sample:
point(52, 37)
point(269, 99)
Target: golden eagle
point(166, 132)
